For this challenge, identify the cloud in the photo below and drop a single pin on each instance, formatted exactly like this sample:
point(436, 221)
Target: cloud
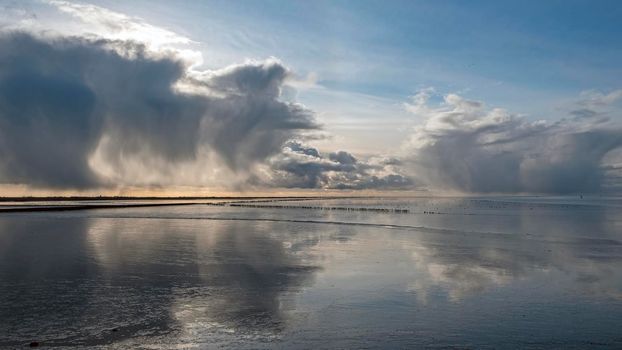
point(594, 99)
point(71, 106)
point(124, 103)
point(118, 26)
point(465, 146)
point(301, 166)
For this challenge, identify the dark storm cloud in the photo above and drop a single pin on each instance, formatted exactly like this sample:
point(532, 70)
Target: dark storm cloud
point(463, 146)
point(251, 123)
point(48, 127)
point(63, 99)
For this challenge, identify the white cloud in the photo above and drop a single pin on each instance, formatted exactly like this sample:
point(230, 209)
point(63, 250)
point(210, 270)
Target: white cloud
point(117, 26)
point(465, 146)
point(593, 98)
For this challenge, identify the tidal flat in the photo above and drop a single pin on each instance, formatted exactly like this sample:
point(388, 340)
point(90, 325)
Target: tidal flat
point(438, 273)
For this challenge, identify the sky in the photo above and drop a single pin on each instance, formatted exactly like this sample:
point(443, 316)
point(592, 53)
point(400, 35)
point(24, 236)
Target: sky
point(212, 96)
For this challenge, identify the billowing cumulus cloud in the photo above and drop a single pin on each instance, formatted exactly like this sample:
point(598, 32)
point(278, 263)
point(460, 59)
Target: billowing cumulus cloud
point(301, 166)
point(464, 146)
point(70, 106)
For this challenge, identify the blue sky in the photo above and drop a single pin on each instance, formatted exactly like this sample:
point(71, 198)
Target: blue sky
point(530, 57)
point(391, 48)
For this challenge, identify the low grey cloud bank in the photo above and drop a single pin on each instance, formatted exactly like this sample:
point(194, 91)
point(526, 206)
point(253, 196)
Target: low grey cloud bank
point(300, 166)
point(64, 100)
point(464, 146)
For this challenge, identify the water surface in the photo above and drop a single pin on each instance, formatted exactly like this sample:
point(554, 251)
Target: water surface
point(494, 272)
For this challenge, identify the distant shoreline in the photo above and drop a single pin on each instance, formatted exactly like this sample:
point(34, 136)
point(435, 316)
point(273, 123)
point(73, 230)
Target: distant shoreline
point(163, 201)
point(26, 199)
point(133, 198)
point(85, 207)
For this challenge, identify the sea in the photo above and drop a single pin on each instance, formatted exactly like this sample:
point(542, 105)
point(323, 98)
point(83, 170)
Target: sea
point(494, 272)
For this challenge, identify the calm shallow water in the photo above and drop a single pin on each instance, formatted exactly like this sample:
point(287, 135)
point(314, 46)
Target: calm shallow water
point(442, 273)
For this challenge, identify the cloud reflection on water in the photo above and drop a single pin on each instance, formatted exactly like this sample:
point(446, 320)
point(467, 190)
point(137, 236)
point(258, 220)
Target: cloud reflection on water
point(71, 279)
point(581, 247)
